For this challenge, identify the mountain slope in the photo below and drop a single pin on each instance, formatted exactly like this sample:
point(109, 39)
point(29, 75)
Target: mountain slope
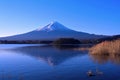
point(52, 31)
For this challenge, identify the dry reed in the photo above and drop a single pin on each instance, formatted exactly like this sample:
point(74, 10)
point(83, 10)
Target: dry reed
point(106, 48)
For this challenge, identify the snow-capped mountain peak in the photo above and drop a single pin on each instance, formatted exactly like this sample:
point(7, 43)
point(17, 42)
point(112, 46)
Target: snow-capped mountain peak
point(52, 31)
point(53, 26)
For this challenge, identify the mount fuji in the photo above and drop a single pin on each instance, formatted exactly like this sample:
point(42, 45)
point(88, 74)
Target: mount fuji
point(52, 31)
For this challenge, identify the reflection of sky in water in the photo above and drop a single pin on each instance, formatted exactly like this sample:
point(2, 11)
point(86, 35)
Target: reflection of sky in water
point(8, 46)
point(48, 63)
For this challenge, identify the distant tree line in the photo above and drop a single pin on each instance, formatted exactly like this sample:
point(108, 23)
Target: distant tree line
point(24, 42)
point(66, 41)
point(62, 41)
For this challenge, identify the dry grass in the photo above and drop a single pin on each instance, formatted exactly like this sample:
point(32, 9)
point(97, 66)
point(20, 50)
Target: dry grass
point(106, 48)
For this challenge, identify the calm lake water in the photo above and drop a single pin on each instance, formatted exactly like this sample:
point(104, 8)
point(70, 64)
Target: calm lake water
point(40, 62)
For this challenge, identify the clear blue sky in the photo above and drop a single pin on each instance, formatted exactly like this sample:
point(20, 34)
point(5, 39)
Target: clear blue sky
point(92, 16)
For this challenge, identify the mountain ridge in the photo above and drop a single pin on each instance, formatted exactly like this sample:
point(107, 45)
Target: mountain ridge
point(52, 31)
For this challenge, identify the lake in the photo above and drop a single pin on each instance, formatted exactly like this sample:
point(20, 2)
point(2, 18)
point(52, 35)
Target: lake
point(44, 62)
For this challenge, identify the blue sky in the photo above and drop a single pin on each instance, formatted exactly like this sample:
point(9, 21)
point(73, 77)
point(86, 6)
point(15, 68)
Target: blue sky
point(92, 16)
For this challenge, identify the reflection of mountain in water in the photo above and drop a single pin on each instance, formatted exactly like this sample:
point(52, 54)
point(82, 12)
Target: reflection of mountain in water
point(49, 54)
point(105, 58)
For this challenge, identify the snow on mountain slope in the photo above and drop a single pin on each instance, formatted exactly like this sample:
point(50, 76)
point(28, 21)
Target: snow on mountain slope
point(53, 26)
point(52, 31)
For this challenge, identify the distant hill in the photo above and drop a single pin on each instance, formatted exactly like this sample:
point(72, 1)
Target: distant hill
point(110, 38)
point(52, 31)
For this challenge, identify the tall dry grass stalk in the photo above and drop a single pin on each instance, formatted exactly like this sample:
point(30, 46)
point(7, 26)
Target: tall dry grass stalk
point(106, 48)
